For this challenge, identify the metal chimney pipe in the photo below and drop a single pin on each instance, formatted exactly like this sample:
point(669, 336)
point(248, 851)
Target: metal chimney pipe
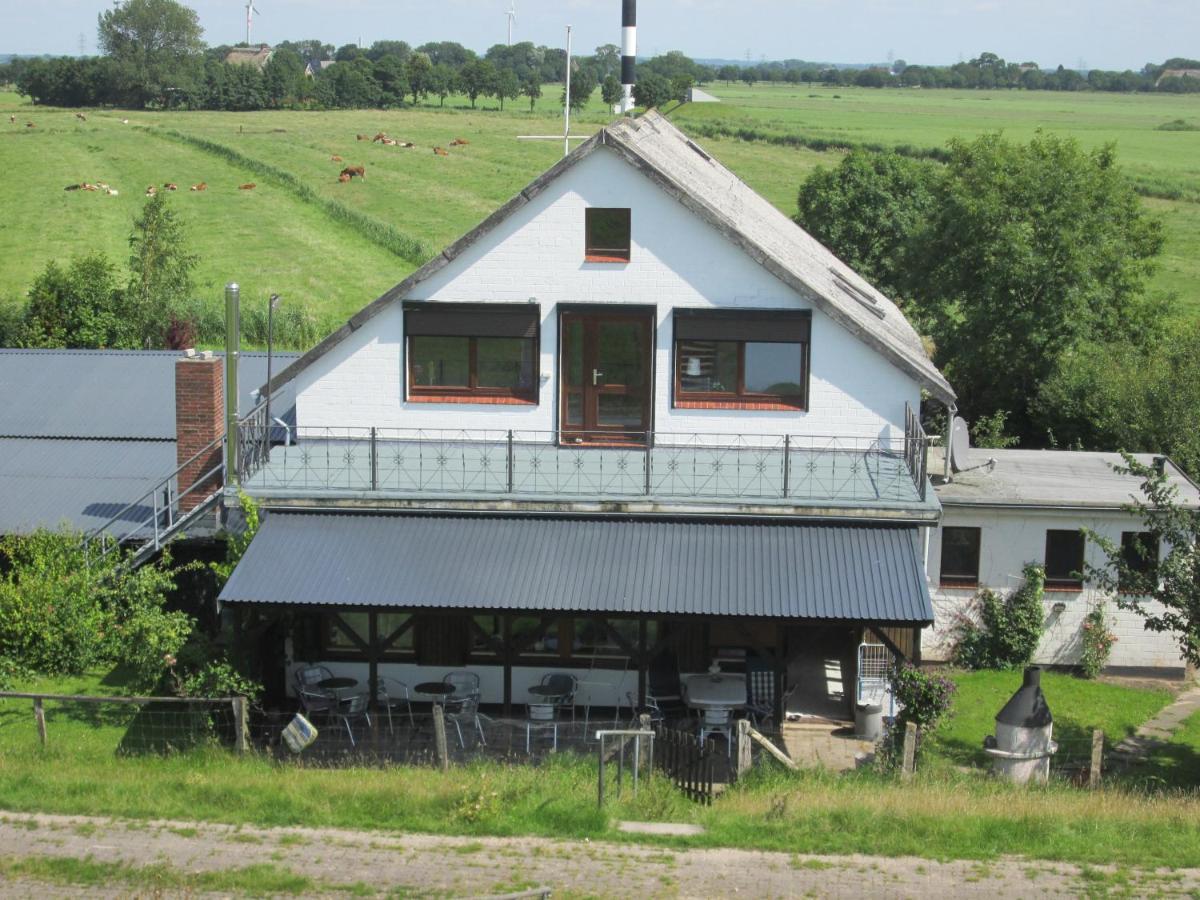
point(233, 344)
point(628, 52)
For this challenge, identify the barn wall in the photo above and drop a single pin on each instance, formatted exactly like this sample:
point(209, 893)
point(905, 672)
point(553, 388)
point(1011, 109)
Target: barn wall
point(1011, 538)
point(678, 261)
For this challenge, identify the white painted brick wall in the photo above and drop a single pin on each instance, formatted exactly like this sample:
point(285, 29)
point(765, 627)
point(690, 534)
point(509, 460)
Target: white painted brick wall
point(677, 261)
point(1009, 539)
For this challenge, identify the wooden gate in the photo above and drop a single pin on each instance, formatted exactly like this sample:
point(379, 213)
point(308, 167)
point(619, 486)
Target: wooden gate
point(687, 762)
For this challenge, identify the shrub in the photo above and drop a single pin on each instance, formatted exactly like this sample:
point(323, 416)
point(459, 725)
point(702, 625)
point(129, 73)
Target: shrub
point(1009, 628)
point(923, 698)
point(1096, 640)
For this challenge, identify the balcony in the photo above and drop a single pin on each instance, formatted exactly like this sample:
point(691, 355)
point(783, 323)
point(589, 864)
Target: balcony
point(659, 471)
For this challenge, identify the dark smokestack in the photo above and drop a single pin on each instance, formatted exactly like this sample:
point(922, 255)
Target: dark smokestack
point(628, 52)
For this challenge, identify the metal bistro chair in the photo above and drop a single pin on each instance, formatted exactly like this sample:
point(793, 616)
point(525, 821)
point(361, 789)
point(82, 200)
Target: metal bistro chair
point(351, 710)
point(463, 704)
point(309, 676)
point(564, 687)
point(314, 701)
point(393, 695)
point(650, 708)
point(718, 720)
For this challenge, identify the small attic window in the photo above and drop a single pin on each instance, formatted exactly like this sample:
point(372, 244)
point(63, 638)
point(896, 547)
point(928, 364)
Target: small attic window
point(606, 235)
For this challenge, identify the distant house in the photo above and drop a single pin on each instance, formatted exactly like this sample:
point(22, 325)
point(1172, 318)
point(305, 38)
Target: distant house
point(695, 95)
point(1176, 73)
point(250, 56)
point(314, 67)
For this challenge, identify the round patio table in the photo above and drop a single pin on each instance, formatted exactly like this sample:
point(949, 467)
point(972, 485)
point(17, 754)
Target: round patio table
point(337, 683)
point(716, 691)
point(545, 690)
point(437, 691)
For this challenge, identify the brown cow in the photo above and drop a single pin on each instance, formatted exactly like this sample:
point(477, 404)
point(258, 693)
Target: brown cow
point(459, 142)
point(30, 125)
point(351, 171)
point(363, 137)
point(202, 186)
point(441, 151)
point(247, 187)
point(379, 137)
point(170, 186)
point(151, 191)
point(81, 117)
point(336, 159)
point(343, 178)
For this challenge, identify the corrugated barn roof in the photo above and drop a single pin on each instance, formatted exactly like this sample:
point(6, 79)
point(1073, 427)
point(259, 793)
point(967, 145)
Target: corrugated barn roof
point(615, 566)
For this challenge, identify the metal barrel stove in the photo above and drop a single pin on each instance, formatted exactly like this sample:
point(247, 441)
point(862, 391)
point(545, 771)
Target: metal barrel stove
point(1022, 746)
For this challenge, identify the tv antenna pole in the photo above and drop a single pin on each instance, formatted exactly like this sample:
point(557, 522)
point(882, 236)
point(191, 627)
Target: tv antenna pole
point(567, 137)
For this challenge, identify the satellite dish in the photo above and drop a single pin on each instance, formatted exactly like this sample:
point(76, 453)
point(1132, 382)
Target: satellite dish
point(960, 444)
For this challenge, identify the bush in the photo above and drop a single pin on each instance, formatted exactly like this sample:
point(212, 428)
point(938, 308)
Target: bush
point(923, 698)
point(1009, 628)
point(1096, 640)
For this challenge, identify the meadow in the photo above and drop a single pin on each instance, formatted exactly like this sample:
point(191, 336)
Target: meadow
point(330, 247)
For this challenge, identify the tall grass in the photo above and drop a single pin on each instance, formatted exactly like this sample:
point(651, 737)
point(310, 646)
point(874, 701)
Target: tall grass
point(379, 233)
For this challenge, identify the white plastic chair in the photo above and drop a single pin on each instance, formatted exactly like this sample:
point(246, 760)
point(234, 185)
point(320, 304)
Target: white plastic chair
point(718, 720)
point(542, 717)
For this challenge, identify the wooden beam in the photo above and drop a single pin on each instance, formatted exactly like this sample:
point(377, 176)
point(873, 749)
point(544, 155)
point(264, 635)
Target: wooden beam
point(350, 633)
point(398, 633)
point(373, 653)
point(887, 642)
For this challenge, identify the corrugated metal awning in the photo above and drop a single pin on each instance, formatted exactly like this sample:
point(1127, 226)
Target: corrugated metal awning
point(615, 566)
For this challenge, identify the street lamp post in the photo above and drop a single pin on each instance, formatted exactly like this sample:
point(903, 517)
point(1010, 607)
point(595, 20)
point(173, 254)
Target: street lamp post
point(272, 305)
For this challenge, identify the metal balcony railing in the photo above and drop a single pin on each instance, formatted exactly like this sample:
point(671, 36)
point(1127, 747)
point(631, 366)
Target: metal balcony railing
point(523, 464)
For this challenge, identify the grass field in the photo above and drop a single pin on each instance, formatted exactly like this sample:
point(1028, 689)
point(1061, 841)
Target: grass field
point(304, 235)
point(943, 814)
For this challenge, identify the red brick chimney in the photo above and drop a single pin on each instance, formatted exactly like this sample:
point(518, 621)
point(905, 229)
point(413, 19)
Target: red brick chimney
point(199, 421)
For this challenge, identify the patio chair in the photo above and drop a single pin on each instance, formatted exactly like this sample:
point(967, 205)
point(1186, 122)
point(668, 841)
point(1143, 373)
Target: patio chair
point(651, 708)
point(718, 720)
point(353, 709)
point(309, 676)
point(316, 702)
point(465, 708)
point(464, 682)
point(760, 695)
point(393, 695)
point(542, 717)
point(565, 687)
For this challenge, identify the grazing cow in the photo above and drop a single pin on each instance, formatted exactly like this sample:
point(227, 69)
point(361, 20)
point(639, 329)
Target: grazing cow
point(30, 125)
point(87, 186)
point(379, 137)
point(81, 117)
point(336, 159)
point(202, 186)
point(363, 137)
point(441, 151)
point(343, 178)
point(12, 120)
point(247, 187)
point(151, 191)
point(170, 186)
point(459, 142)
point(351, 171)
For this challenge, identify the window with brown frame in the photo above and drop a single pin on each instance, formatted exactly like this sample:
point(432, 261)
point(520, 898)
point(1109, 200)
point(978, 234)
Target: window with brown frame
point(751, 360)
point(1139, 553)
point(337, 644)
point(1064, 560)
point(607, 235)
point(472, 353)
point(960, 557)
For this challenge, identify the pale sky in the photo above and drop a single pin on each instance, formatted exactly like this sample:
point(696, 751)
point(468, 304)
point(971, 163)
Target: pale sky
point(1108, 34)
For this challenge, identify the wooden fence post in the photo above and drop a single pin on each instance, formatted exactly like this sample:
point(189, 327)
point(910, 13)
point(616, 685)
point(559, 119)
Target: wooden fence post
point(241, 725)
point(743, 747)
point(910, 750)
point(439, 737)
point(644, 745)
point(1097, 759)
point(39, 716)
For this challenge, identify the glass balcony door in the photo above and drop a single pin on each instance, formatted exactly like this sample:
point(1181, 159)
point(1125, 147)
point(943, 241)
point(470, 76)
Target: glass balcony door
point(606, 377)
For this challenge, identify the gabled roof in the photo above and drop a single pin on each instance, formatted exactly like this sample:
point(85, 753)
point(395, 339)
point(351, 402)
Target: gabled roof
point(662, 152)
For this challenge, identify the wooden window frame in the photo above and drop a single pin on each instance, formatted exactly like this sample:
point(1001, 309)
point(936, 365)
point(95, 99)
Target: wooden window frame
point(329, 622)
point(740, 398)
point(618, 255)
point(954, 580)
point(1061, 584)
point(472, 392)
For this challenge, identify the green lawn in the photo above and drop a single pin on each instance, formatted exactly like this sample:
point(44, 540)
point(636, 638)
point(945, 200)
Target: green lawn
point(274, 239)
point(942, 814)
point(1079, 707)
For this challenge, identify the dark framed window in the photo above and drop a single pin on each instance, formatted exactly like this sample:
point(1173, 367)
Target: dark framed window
point(746, 359)
point(960, 557)
point(1139, 553)
point(1064, 560)
point(336, 642)
point(607, 235)
point(472, 352)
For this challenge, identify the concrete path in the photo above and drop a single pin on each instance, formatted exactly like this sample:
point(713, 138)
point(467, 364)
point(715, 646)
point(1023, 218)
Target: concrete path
point(340, 863)
point(1159, 729)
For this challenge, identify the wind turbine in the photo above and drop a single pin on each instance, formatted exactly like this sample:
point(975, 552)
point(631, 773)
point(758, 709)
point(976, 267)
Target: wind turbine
point(251, 9)
point(512, 17)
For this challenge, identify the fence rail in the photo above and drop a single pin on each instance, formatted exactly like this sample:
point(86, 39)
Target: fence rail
point(518, 463)
point(687, 762)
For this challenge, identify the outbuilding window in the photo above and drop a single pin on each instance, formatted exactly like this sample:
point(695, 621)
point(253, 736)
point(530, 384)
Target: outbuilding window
point(607, 235)
point(741, 359)
point(1139, 553)
point(472, 353)
point(1064, 560)
point(960, 557)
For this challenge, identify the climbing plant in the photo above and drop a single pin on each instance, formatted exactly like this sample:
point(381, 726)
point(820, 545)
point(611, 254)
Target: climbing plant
point(1003, 632)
